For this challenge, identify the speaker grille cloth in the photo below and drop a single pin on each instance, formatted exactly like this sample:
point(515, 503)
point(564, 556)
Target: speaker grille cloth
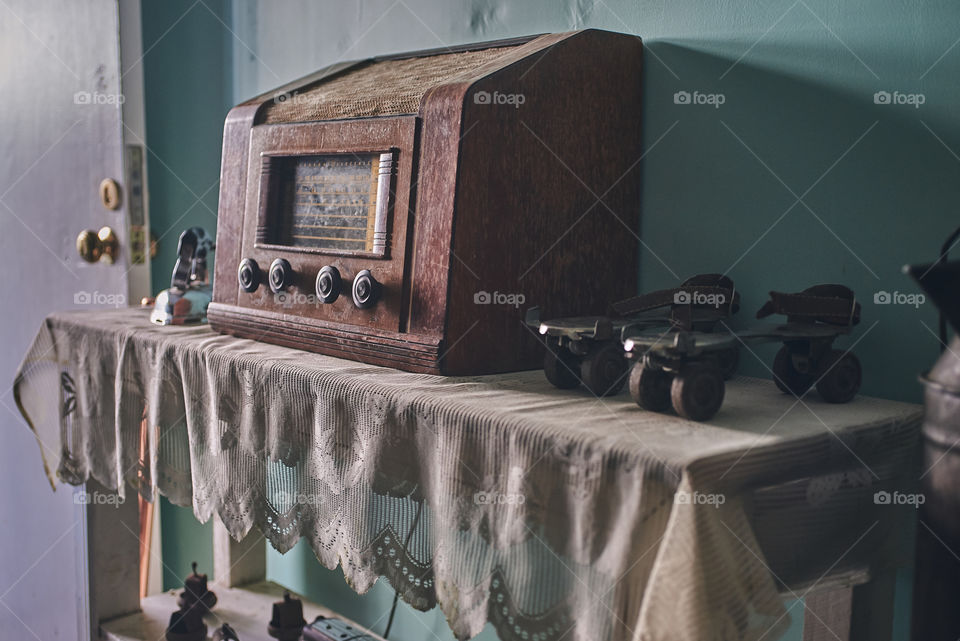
point(385, 88)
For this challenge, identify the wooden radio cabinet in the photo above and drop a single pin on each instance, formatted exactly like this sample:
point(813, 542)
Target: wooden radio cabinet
point(405, 210)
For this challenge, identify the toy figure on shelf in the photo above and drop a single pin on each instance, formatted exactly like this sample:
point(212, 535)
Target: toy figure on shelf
point(589, 350)
point(190, 291)
point(287, 621)
point(679, 367)
point(195, 593)
point(186, 625)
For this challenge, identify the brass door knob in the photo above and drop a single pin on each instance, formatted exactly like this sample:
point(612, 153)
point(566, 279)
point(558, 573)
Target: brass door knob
point(102, 245)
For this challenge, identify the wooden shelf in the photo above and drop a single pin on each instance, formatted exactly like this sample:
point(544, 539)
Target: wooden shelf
point(247, 609)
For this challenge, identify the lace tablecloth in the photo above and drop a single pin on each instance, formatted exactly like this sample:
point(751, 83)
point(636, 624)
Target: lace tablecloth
point(551, 514)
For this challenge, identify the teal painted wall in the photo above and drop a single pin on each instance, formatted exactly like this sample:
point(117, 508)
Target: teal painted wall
point(798, 177)
point(187, 91)
point(299, 570)
point(183, 540)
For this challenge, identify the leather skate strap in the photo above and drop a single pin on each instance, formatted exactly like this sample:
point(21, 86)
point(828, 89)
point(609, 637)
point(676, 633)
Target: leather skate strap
point(831, 304)
point(699, 287)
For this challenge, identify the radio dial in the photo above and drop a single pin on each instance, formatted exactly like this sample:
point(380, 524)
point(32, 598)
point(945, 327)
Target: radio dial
point(281, 275)
point(249, 275)
point(366, 290)
point(328, 284)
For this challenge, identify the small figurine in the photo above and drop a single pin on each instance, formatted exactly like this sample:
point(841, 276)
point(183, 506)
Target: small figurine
point(588, 349)
point(195, 593)
point(190, 291)
point(186, 625)
point(287, 622)
point(680, 368)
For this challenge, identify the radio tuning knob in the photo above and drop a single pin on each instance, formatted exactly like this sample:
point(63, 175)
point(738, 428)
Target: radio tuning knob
point(366, 290)
point(248, 274)
point(281, 275)
point(328, 284)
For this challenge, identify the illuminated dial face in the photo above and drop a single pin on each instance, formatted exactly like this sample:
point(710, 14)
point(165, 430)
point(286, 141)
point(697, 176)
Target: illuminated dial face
point(330, 203)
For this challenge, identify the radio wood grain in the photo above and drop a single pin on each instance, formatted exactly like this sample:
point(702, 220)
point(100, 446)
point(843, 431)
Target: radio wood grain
point(516, 183)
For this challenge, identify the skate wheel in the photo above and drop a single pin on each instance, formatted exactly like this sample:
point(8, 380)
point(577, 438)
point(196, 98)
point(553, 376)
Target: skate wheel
point(604, 369)
point(842, 376)
point(697, 391)
point(650, 388)
point(786, 376)
point(561, 366)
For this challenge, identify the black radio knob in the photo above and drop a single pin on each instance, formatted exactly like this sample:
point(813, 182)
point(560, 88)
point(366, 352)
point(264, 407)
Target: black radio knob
point(248, 274)
point(366, 290)
point(281, 275)
point(328, 284)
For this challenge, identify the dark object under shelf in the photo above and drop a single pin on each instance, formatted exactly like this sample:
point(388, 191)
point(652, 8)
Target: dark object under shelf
point(326, 629)
point(287, 621)
point(186, 625)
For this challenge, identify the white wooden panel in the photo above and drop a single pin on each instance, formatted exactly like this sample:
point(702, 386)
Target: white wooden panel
point(237, 563)
point(61, 130)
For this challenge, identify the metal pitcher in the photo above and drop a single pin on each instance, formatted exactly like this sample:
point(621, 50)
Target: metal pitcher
point(936, 614)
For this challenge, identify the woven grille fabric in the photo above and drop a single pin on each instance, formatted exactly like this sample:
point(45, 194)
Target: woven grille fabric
point(382, 88)
point(550, 514)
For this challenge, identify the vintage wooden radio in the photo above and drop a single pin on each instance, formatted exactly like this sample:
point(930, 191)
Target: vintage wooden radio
point(405, 210)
